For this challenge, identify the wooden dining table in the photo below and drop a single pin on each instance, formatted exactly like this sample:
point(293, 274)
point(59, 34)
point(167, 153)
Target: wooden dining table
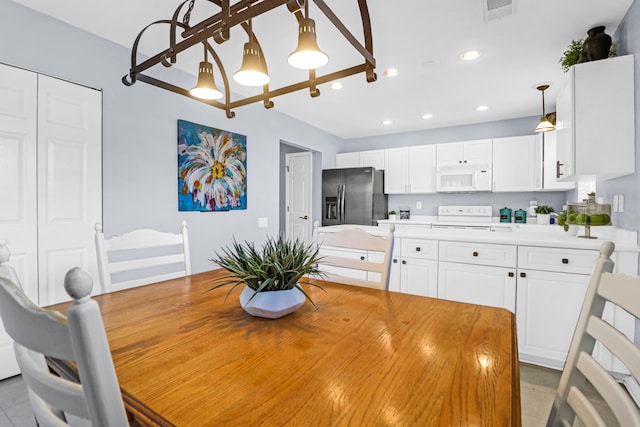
point(189, 356)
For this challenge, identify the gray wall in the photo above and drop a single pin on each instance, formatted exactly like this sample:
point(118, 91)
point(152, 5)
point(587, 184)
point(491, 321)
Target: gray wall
point(139, 135)
point(430, 202)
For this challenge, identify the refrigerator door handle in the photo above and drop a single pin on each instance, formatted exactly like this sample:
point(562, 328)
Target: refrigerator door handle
point(339, 203)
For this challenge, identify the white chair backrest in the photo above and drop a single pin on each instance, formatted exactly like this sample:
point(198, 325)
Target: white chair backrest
point(140, 257)
point(80, 337)
point(355, 257)
point(570, 403)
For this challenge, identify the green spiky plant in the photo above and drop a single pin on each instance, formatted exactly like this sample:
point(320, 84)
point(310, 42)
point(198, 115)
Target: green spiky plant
point(280, 265)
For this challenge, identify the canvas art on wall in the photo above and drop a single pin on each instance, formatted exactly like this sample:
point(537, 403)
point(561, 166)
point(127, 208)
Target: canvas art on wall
point(212, 168)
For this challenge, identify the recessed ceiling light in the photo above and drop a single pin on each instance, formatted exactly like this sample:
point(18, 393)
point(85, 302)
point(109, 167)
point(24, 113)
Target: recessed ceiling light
point(427, 116)
point(386, 122)
point(482, 108)
point(336, 85)
point(392, 72)
point(470, 55)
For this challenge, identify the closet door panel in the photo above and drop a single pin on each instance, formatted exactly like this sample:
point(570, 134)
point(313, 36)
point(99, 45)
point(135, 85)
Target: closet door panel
point(18, 229)
point(70, 182)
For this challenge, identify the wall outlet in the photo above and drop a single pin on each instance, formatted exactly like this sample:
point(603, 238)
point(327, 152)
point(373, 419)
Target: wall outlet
point(620, 203)
point(263, 222)
point(616, 203)
point(418, 205)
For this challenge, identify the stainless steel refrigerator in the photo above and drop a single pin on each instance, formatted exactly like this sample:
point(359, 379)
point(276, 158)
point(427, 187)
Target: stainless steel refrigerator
point(353, 196)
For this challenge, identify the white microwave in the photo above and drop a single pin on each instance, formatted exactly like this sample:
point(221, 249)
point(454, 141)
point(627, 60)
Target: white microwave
point(463, 178)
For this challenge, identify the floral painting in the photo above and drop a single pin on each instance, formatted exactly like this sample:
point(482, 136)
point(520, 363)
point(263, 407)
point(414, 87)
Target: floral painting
point(212, 168)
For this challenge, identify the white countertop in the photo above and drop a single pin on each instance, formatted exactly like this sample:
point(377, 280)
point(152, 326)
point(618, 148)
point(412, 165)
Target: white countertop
point(517, 234)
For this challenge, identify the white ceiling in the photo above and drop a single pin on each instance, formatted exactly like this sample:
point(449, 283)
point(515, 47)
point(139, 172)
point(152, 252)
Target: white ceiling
point(422, 38)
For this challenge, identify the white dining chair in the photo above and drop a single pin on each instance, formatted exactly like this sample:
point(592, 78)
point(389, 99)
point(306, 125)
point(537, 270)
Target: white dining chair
point(355, 257)
point(140, 257)
point(79, 337)
point(571, 404)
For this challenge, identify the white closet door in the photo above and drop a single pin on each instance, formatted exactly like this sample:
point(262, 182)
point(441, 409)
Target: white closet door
point(69, 182)
point(18, 95)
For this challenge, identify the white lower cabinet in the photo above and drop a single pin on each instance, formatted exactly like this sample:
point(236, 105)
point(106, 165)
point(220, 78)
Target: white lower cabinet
point(414, 267)
point(547, 309)
point(477, 284)
point(478, 273)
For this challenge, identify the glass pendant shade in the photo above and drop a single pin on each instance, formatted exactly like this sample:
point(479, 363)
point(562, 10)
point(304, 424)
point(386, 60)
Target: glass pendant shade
point(253, 71)
point(545, 125)
point(206, 87)
point(308, 55)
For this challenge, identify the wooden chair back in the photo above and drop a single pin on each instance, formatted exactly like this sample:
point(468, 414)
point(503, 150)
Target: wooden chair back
point(140, 257)
point(355, 257)
point(570, 403)
point(79, 337)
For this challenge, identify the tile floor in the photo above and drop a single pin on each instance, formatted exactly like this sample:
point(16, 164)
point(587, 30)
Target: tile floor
point(538, 387)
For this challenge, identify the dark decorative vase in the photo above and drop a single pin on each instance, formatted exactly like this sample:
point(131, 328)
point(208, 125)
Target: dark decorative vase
point(597, 44)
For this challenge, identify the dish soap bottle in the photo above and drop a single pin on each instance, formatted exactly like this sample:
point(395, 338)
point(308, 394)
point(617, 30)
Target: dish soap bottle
point(531, 212)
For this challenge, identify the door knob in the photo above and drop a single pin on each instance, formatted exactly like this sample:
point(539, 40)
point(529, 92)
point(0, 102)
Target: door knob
point(303, 217)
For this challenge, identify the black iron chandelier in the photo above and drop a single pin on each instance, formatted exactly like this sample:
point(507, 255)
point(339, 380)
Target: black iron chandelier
point(253, 72)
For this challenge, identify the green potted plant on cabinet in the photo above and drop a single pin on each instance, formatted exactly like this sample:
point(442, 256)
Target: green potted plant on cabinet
point(392, 215)
point(544, 214)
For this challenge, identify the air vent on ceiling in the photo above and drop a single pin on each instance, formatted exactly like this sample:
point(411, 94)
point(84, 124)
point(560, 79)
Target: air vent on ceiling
point(498, 9)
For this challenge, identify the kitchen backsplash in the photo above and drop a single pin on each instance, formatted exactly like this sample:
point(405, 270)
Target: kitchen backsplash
point(430, 202)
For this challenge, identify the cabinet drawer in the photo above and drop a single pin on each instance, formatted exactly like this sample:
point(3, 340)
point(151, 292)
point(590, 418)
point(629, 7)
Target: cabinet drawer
point(478, 253)
point(418, 248)
point(580, 261)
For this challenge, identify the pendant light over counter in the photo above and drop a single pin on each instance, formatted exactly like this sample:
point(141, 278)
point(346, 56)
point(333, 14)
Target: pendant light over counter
point(253, 71)
point(544, 125)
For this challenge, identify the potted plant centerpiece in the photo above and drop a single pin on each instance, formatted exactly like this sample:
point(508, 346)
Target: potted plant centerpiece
point(272, 275)
point(544, 214)
point(392, 215)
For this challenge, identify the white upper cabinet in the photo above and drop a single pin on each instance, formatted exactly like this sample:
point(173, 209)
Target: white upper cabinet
point(348, 160)
point(410, 170)
point(549, 165)
point(467, 152)
point(595, 120)
point(373, 158)
point(517, 164)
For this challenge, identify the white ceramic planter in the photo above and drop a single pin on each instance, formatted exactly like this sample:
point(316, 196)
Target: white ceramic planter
point(392, 217)
point(272, 304)
point(544, 219)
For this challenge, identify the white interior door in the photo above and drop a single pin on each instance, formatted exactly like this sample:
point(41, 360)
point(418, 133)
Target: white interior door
point(18, 112)
point(69, 182)
point(298, 194)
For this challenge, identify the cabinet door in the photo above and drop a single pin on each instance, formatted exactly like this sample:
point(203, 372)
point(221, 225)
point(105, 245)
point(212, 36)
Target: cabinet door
point(516, 164)
point(422, 169)
point(548, 305)
point(396, 170)
point(478, 152)
point(549, 166)
point(394, 274)
point(564, 131)
point(348, 160)
point(449, 154)
point(373, 158)
point(476, 284)
point(419, 277)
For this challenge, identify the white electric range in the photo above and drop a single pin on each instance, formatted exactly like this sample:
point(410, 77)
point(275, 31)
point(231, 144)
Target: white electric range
point(464, 217)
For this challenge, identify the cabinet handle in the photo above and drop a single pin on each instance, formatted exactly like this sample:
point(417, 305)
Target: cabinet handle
point(395, 261)
point(417, 248)
point(565, 260)
point(511, 274)
point(523, 274)
point(464, 161)
point(404, 261)
point(558, 164)
point(459, 161)
point(362, 258)
point(475, 254)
